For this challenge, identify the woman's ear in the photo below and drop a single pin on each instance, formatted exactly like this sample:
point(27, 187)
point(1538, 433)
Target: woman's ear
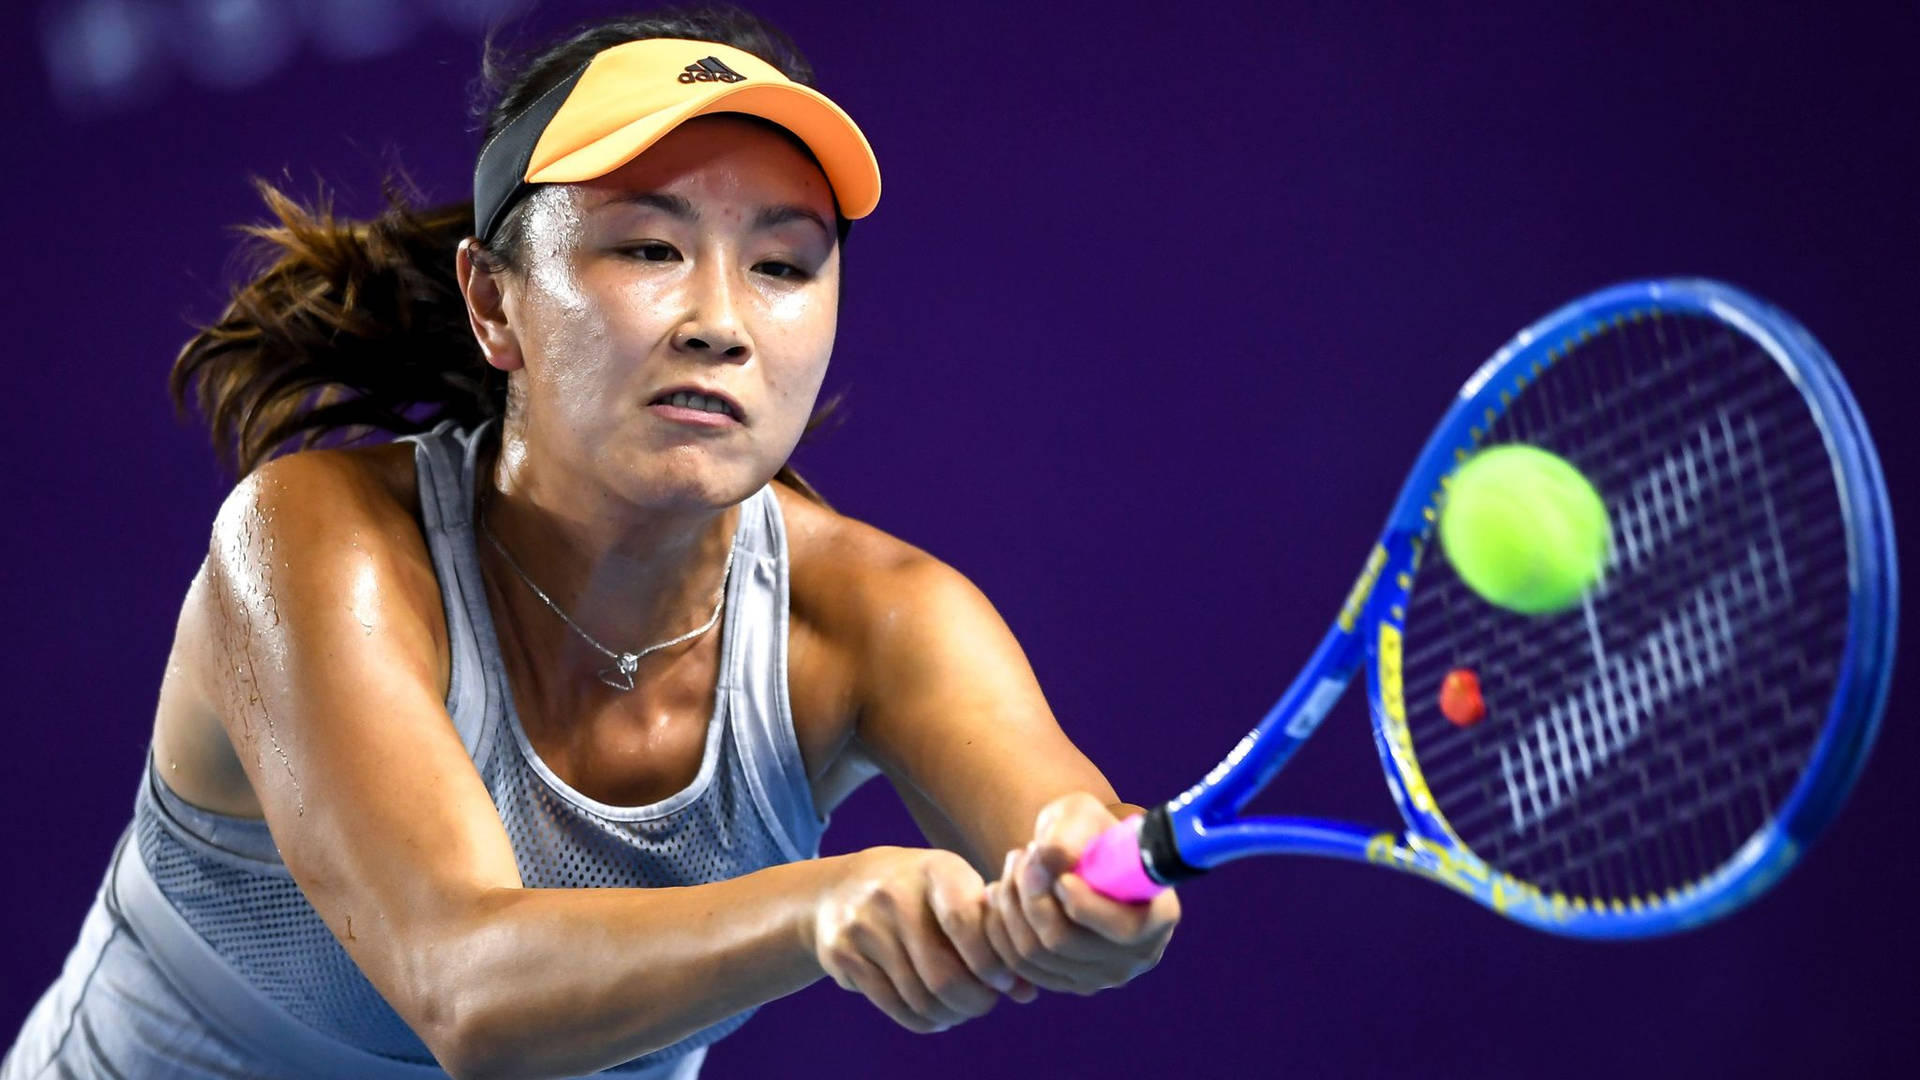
point(480, 281)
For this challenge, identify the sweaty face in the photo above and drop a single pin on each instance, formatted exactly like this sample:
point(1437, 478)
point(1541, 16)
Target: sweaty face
point(676, 316)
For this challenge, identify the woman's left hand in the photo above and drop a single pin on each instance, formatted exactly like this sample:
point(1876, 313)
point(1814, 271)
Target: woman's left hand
point(1052, 928)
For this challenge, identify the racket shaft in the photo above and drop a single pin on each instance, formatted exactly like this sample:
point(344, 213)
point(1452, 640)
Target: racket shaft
point(1291, 722)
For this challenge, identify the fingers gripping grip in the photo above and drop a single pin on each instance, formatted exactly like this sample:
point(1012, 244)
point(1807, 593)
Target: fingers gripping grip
point(1112, 865)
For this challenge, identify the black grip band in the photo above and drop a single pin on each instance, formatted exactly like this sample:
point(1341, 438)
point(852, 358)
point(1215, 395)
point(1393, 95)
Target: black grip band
point(1159, 854)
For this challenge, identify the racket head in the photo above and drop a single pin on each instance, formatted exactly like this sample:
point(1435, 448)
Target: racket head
point(1579, 851)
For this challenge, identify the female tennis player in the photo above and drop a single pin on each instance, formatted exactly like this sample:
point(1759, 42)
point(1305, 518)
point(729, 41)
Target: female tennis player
point(505, 748)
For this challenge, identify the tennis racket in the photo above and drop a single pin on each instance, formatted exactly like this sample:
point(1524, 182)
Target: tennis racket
point(1661, 754)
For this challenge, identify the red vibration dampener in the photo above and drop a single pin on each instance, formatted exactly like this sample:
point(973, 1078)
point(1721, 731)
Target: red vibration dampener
point(1460, 698)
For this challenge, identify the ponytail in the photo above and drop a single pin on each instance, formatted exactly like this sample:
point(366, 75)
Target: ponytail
point(348, 326)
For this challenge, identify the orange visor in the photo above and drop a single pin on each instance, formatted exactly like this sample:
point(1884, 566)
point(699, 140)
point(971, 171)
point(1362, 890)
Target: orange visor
point(628, 96)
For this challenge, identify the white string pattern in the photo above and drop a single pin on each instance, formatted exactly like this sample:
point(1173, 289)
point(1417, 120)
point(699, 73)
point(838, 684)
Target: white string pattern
point(1632, 745)
point(1690, 647)
point(1692, 644)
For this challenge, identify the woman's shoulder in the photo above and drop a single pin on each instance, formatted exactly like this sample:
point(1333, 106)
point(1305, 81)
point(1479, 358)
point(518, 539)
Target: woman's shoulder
point(847, 577)
point(336, 519)
point(316, 536)
point(829, 552)
point(842, 574)
point(372, 484)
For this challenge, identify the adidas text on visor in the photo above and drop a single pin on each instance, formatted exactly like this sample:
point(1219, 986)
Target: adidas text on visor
point(627, 97)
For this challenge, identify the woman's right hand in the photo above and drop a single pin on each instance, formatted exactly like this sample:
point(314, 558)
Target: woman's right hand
point(907, 928)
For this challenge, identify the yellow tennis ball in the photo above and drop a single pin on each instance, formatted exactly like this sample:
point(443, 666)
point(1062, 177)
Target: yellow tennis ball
point(1524, 529)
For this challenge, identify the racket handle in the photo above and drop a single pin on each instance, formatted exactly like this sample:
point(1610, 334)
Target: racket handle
point(1112, 865)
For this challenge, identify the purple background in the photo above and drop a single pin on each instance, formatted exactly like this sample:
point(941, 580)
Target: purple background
point(1158, 306)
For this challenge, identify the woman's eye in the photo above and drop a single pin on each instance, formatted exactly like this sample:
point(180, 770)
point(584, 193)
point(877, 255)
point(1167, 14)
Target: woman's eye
point(654, 252)
point(775, 268)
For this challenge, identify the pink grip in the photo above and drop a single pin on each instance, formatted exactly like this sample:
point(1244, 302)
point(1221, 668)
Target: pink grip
point(1111, 864)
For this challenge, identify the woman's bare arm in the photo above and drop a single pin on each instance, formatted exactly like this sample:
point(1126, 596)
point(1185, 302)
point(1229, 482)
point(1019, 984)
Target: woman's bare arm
point(950, 710)
point(324, 609)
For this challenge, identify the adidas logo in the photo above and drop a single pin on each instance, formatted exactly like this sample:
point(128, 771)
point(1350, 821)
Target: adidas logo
point(710, 70)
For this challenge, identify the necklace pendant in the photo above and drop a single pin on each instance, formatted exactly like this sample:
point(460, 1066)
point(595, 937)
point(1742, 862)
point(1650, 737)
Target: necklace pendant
point(620, 675)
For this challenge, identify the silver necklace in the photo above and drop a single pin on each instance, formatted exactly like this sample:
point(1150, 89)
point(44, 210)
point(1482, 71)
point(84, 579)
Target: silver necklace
point(620, 675)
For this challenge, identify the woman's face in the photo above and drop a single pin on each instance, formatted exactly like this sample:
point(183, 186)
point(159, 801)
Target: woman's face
point(708, 265)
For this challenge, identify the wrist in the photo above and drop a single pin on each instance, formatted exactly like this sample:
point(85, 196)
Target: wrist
point(826, 891)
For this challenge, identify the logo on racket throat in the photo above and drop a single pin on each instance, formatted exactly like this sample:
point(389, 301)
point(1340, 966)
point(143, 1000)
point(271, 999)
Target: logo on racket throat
point(711, 70)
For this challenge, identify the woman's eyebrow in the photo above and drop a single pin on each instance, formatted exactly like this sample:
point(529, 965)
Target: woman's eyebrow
point(772, 216)
point(678, 206)
point(672, 205)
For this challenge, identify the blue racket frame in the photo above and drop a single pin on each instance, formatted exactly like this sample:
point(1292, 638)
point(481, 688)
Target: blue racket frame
point(1205, 825)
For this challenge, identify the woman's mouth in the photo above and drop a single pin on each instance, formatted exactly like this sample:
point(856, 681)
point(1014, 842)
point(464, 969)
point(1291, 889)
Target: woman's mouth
point(693, 407)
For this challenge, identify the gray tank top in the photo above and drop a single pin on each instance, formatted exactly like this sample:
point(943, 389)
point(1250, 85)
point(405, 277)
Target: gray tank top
point(749, 807)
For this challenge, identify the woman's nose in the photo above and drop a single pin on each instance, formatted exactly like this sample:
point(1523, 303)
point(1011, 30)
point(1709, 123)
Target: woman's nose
point(712, 325)
point(714, 340)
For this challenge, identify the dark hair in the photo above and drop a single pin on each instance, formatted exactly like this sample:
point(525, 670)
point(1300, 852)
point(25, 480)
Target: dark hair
point(353, 327)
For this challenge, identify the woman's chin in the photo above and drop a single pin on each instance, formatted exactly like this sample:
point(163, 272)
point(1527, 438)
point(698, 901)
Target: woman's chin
point(690, 486)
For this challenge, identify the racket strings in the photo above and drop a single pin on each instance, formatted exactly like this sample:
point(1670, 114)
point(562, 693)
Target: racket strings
point(1633, 745)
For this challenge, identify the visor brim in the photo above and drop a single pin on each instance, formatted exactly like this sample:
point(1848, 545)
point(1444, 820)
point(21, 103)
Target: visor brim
point(836, 142)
